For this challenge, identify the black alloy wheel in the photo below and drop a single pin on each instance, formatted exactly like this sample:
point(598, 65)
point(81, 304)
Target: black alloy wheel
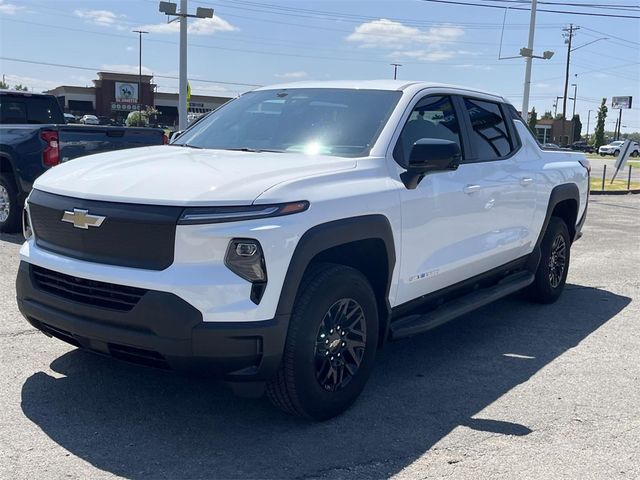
point(340, 344)
point(557, 261)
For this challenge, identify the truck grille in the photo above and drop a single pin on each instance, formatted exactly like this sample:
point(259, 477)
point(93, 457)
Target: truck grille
point(89, 292)
point(131, 235)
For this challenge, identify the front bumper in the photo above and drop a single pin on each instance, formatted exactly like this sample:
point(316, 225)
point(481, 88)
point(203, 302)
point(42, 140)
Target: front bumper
point(161, 330)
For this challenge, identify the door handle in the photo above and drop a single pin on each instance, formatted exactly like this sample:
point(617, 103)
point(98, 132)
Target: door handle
point(526, 181)
point(469, 189)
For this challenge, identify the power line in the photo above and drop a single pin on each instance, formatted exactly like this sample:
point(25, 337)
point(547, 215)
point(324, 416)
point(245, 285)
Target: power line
point(626, 8)
point(590, 14)
point(95, 69)
point(612, 36)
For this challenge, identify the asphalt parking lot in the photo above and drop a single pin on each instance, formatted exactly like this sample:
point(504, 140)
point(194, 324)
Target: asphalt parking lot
point(514, 390)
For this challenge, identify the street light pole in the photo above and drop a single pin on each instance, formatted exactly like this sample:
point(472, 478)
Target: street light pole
point(170, 9)
point(182, 95)
point(588, 118)
point(140, 100)
point(395, 69)
point(529, 60)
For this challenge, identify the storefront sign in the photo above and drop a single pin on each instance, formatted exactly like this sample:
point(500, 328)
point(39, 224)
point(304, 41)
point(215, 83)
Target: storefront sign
point(126, 92)
point(124, 107)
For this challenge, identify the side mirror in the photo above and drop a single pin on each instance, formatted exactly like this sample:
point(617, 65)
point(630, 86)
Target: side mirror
point(430, 155)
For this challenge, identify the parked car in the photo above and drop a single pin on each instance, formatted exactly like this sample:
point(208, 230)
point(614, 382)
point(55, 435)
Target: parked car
point(89, 120)
point(105, 121)
point(34, 137)
point(614, 149)
point(551, 146)
point(582, 146)
point(69, 118)
point(285, 238)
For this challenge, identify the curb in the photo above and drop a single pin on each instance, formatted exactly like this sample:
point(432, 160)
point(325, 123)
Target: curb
point(633, 191)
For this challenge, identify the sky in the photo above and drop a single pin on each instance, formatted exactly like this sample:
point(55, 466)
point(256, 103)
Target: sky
point(264, 42)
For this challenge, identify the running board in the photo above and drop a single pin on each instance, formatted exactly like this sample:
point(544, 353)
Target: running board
point(414, 324)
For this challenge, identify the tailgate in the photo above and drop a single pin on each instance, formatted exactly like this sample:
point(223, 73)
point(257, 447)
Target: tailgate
point(80, 140)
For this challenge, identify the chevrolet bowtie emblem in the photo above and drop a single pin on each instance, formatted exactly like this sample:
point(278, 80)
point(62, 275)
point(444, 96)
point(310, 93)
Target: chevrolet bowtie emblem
point(82, 219)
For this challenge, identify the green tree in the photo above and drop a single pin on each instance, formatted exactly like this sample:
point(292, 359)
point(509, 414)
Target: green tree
point(533, 119)
point(598, 135)
point(577, 128)
point(20, 88)
point(141, 119)
point(547, 115)
point(4, 85)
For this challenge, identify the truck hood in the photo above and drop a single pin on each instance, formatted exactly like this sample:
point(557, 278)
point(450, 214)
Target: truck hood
point(174, 175)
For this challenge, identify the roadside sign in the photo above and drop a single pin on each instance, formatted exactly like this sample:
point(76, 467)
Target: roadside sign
point(625, 152)
point(621, 102)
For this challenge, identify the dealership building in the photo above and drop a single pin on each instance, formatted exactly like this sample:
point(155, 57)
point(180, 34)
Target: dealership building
point(115, 95)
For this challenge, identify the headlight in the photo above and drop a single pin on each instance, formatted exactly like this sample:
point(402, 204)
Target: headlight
point(202, 215)
point(245, 258)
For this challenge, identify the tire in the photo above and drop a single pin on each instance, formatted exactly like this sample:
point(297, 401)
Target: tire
point(549, 280)
point(305, 385)
point(616, 153)
point(10, 211)
point(603, 154)
point(635, 153)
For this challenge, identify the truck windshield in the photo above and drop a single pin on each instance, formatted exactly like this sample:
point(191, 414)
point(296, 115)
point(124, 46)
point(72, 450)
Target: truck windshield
point(338, 122)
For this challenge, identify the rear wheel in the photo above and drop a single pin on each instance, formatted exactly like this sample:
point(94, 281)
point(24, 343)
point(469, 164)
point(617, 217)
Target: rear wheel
point(635, 153)
point(551, 275)
point(331, 344)
point(9, 209)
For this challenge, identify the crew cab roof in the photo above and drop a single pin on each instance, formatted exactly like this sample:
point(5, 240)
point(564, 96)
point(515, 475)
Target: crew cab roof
point(392, 85)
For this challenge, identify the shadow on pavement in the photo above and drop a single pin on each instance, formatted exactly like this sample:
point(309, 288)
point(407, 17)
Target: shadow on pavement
point(141, 423)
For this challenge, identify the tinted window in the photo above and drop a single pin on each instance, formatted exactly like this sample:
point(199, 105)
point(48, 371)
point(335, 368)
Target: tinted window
point(489, 133)
point(432, 117)
point(36, 110)
point(339, 122)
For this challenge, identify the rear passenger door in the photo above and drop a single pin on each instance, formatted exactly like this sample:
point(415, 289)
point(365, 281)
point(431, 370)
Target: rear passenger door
point(502, 181)
point(458, 224)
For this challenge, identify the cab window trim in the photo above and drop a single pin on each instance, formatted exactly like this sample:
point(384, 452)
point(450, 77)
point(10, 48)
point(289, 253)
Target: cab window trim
point(514, 140)
point(419, 97)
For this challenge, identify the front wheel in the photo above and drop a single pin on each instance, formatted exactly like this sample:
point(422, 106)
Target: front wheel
point(551, 275)
point(331, 344)
point(616, 153)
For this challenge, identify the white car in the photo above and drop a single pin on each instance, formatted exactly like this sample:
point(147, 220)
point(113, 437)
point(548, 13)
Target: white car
point(614, 149)
point(286, 237)
point(89, 120)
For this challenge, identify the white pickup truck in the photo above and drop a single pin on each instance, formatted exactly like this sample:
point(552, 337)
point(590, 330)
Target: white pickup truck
point(283, 239)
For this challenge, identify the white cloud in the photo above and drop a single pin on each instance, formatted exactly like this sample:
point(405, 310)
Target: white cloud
point(200, 26)
point(130, 48)
point(9, 8)
point(102, 18)
point(429, 45)
point(291, 75)
point(32, 83)
point(123, 68)
point(474, 65)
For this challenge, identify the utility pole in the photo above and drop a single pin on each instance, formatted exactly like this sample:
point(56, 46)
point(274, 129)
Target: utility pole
point(395, 69)
point(555, 108)
point(575, 93)
point(528, 60)
point(588, 118)
point(140, 32)
point(619, 125)
point(569, 33)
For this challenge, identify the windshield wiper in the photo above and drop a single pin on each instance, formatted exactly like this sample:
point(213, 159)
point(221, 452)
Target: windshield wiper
point(253, 150)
